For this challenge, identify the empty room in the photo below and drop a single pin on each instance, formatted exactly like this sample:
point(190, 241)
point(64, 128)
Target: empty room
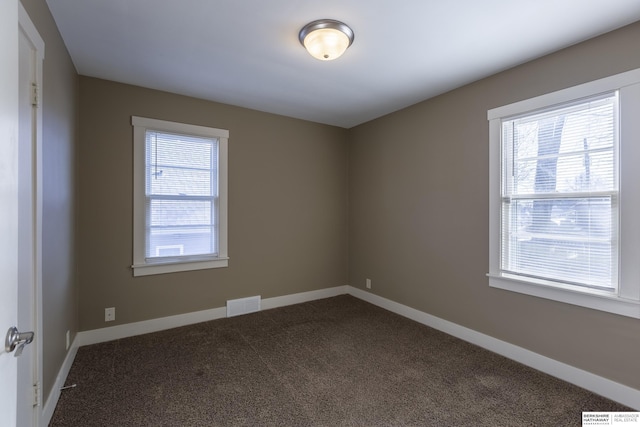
point(344, 214)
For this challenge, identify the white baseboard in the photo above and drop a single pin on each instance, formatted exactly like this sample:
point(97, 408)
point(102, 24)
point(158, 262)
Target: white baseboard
point(284, 300)
point(111, 333)
point(604, 387)
point(154, 325)
point(54, 395)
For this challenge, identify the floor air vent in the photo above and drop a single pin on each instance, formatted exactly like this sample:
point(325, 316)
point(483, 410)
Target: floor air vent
point(236, 307)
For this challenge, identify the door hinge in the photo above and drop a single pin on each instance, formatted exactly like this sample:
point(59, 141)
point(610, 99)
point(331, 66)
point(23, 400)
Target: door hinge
point(36, 394)
point(34, 95)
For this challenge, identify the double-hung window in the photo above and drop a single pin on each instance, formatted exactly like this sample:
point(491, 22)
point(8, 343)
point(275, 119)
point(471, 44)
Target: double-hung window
point(565, 195)
point(180, 202)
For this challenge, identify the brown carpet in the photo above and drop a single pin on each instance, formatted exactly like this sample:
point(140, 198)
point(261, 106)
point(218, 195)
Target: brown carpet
point(333, 362)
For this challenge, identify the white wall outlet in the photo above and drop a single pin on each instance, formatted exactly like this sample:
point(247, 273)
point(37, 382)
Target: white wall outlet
point(368, 283)
point(68, 340)
point(109, 314)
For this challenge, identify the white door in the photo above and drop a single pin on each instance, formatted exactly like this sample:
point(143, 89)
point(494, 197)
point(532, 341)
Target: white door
point(9, 202)
point(31, 49)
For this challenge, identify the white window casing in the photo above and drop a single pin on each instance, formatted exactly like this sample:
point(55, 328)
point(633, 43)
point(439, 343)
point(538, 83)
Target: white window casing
point(191, 197)
point(622, 296)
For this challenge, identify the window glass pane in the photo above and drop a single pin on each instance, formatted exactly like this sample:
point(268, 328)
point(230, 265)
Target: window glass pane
point(184, 226)
point(180, 165)
point(569, 149)
point(566, 240)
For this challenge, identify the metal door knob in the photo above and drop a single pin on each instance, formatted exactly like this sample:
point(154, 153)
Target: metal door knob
point(17, 339)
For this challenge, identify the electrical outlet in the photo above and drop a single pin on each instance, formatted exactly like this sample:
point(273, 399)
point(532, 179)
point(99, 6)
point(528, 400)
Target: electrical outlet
point(368, 283)
point(109, 314)
point(68, 339)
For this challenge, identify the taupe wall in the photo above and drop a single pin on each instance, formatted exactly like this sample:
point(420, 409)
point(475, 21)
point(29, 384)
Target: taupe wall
point(418, 217)
point(287, 206)
point(59, 116)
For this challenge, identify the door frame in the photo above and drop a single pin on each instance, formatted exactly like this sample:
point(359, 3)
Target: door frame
point(33, 308)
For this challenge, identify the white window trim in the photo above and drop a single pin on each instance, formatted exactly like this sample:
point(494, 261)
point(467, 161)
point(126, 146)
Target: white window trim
point(627, 300)
point(142, 267)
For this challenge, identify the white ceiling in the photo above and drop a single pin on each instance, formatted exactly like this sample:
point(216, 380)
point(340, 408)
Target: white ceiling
point(247, 53)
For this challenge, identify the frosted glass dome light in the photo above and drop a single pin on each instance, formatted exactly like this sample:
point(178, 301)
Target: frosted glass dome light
point(326, 39)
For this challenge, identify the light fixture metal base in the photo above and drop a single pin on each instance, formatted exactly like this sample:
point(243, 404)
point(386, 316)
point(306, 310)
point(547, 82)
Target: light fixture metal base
point(326, 23)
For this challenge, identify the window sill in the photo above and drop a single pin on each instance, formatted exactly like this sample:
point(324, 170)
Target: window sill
point(597, 300)
point(174, 267)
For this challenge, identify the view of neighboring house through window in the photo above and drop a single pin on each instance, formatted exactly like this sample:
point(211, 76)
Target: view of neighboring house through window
point(180, 198)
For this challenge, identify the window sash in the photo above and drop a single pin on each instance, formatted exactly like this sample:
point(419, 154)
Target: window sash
point(212, 226)
point(579, 259)
point(188, 219)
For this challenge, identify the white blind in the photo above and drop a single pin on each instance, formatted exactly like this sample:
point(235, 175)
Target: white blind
point(181, 195)
point(560, 194)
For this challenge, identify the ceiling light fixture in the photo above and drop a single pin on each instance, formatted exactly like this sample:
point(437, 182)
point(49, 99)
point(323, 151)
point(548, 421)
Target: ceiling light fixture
point(326, 39)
